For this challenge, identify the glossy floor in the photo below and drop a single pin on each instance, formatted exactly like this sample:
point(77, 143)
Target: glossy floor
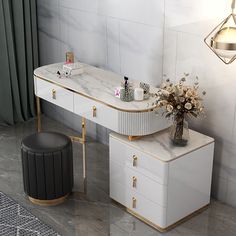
point(95, 214)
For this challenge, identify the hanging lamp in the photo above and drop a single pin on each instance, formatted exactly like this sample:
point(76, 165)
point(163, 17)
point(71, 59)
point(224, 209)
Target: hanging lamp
point(222, 39)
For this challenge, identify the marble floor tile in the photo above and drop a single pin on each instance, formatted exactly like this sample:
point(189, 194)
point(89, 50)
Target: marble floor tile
point(94, 214)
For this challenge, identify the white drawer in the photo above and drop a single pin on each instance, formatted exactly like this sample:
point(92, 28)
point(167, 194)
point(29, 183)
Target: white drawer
point(147, 209)
point(141, 162)
point(139, 183)
point(96, 112)
point(54, 94)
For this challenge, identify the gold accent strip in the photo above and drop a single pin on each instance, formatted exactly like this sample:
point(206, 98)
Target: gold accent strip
point(48, 202)
point(171, 226)
point(157, 227)
point(96, 100)
point(223, 46)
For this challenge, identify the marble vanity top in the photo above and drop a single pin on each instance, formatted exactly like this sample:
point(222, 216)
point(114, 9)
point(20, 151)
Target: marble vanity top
point(159, 146)
point(95, 83)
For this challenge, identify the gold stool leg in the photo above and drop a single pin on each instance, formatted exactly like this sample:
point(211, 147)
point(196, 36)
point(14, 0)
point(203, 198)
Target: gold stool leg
point(38, 114)
point(84, 154)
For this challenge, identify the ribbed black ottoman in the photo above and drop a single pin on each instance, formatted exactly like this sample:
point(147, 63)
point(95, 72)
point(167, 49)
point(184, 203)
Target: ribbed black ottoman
point(47, 163)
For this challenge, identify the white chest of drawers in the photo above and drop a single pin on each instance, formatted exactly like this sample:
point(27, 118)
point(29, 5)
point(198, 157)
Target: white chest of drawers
point(159, 183)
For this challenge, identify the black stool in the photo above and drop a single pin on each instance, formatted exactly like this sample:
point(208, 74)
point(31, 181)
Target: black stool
point(47, 162)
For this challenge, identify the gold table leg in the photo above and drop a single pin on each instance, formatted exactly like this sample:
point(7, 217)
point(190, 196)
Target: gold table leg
point(84, 155)
point(81, 140)
point(39, 126)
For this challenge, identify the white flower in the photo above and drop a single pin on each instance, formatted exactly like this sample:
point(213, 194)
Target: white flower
point(169, 108)
point(193, 101)
point(181, 92)
point(161, 103)
point(163, 86)
point(178, 107)
point(165, 93)
point(188, 93)
point(188, 106)
point(170, 89)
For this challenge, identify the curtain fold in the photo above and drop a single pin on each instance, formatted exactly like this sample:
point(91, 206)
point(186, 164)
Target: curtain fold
point(18, 58)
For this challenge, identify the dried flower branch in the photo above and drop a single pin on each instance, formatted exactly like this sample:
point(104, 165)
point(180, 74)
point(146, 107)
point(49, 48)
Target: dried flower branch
point(180, 99)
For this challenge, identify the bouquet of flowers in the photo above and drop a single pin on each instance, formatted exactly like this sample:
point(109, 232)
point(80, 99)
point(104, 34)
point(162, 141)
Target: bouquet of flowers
point(179, 100)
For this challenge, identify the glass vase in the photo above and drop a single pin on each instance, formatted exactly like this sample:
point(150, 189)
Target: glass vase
point(126, 95)
point(179, 132)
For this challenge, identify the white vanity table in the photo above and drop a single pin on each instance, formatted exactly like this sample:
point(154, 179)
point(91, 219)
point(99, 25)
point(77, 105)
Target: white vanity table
point(147, 176)
point(91, 95)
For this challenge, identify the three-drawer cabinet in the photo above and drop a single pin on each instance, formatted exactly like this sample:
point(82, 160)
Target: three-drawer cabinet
point(159, 183)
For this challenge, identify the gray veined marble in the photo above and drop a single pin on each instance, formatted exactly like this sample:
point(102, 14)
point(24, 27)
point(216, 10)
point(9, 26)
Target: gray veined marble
point(95, 214)
point(159, 146)
point(96, 83)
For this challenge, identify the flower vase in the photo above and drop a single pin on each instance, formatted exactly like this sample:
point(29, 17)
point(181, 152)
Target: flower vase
point(179, 132)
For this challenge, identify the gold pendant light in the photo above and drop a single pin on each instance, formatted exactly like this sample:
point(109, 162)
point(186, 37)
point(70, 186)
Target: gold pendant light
point(222, 39)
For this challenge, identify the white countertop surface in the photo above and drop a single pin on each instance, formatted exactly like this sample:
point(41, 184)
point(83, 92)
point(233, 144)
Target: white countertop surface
point(95, 83)
point(159, 146)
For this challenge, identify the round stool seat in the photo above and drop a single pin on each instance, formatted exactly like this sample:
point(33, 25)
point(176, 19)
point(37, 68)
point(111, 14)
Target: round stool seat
point(47, 162)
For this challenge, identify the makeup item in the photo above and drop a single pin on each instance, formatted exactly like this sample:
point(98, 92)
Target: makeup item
point(117, 92)
point(73, 69)
point(127, 92)
point(69, 57)
point(146, 90)
point(126, 96)
point(58, 74)
point(138, 94)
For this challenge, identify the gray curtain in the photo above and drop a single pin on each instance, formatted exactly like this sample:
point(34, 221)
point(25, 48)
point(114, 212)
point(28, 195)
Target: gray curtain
point(18, 58)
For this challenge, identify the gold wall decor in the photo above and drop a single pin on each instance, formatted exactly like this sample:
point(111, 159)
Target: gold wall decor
point(222, 39)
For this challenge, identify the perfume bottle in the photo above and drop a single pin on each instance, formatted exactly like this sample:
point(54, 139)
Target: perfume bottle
point(127, 92)
point(69, 57)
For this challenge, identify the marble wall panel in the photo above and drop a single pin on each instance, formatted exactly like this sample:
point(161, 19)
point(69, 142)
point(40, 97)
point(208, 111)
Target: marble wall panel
point(123, 36)
point(141, 11)
point(186, 25)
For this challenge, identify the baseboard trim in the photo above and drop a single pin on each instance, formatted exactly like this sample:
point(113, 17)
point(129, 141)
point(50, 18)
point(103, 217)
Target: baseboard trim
point(157, 227)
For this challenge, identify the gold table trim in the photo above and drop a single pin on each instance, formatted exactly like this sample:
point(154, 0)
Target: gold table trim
point(96, 100)
point(157, 227)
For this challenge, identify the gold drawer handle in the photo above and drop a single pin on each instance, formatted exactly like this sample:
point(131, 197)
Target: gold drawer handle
point(94, 111)
point(134, 201)
point(135, 158)
point(134, 182)
point(54, 94)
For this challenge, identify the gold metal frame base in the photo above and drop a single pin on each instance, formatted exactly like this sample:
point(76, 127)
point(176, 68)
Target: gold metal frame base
point(132, 138)
point(81, 140)
point(157, 227)
point(52, 202)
